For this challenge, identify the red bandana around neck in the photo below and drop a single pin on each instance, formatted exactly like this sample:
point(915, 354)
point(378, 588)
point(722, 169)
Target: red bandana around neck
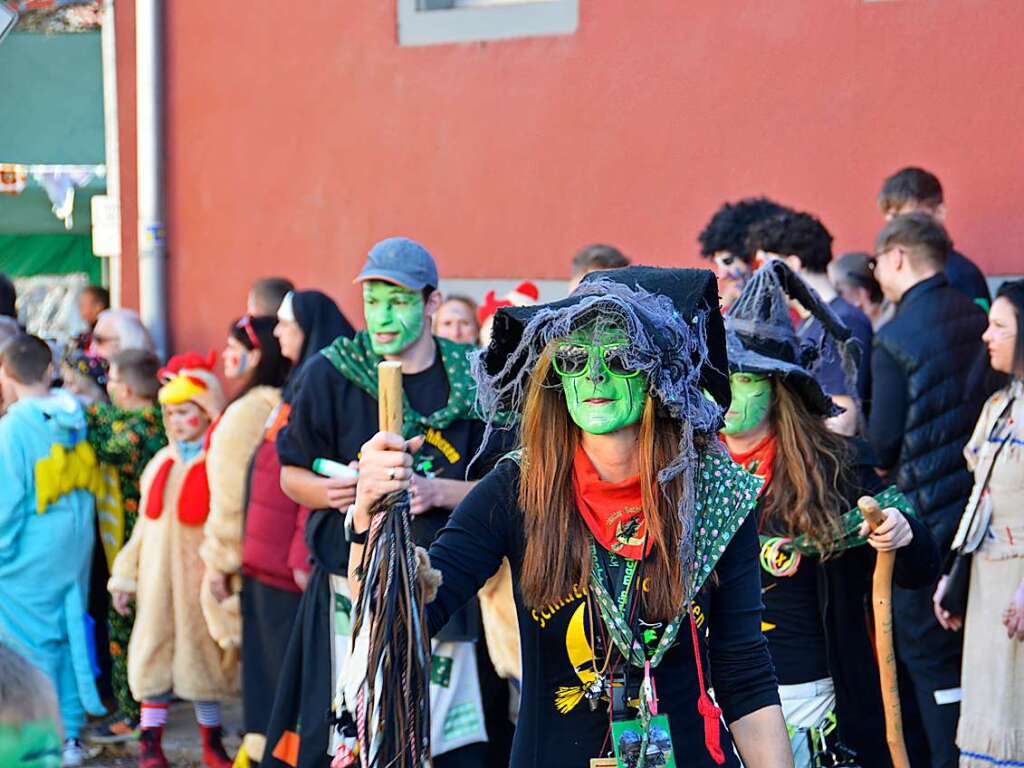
point(759, 459)
point(612, 511)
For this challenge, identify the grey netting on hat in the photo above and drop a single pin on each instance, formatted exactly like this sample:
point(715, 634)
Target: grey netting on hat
point(667, 348)
point(761, 336)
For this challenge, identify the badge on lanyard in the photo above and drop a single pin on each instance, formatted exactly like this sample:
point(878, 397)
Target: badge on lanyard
point(627, 739)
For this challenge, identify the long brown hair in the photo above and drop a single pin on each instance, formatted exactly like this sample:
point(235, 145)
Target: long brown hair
point(809, 468)
point(557, 557)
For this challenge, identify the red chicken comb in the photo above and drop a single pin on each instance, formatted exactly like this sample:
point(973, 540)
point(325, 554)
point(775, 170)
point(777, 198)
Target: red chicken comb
point(189, 360)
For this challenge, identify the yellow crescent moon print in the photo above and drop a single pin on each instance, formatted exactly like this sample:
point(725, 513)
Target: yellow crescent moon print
point(581, 656)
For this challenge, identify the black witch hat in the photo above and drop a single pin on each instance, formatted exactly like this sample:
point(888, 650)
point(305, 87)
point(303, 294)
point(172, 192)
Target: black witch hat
point(761, 339)
point(672, 320)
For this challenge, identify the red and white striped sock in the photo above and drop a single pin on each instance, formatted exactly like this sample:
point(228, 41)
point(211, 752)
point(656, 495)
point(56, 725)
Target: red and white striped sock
point(207, 713)
point(154, 715)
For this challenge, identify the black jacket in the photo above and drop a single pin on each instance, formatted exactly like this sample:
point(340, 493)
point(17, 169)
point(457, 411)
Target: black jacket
point(488, 525)
point(965, 276)
point(844, 591)
point(924, 406)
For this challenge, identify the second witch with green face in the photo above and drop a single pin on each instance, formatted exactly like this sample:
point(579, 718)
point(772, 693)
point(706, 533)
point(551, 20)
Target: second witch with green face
point(751, 399)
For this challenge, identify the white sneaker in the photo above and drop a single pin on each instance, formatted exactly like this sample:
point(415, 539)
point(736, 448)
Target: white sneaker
point(73, 754)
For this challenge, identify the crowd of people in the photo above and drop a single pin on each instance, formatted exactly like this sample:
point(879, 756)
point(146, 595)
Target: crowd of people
point(641, 500)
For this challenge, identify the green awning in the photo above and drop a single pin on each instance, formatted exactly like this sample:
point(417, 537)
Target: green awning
point(62, 254)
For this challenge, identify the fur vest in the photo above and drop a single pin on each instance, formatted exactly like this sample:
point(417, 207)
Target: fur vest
point(233, 442)
point(170, 647)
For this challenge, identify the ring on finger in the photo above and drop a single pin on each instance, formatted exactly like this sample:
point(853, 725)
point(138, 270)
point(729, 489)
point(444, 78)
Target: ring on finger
point(391, 473)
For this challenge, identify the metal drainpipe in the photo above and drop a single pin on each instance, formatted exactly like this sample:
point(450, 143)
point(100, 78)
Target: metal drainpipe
point(110, 135)
point(149, 17)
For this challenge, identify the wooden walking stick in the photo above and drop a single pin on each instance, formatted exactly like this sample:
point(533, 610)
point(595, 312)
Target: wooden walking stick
point(881, 597)
point(393, 705)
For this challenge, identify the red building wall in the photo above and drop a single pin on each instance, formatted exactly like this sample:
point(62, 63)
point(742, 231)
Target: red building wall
point(300, 133)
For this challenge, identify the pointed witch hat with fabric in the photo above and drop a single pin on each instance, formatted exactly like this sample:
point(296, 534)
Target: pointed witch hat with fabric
point(761, 339)
point(670, 316)
point(676, 339)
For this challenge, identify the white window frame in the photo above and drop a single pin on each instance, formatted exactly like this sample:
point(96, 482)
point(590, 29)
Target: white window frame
point(501, 21)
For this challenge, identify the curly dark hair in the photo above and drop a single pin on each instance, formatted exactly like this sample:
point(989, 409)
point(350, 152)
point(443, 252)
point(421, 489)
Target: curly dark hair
point(727, 230)
point(794, 233)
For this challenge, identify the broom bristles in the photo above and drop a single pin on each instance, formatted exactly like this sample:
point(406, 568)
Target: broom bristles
point(394, 702)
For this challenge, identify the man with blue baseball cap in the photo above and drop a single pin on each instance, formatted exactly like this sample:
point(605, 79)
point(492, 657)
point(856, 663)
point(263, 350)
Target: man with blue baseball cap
point(332, 414)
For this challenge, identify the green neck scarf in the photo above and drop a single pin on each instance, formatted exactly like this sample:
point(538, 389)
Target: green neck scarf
point(357, 362)
point(847, 532)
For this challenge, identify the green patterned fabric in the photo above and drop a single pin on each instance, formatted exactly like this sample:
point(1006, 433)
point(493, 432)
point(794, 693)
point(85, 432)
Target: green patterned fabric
point(848, 535)
point(617, 625)
point(126, 440)
point(726, 495)
point(356, 361)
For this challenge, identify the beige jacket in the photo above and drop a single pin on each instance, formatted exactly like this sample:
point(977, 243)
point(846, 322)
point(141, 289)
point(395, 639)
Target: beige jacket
point(501, 624)
point(170, 647)
point(232, 445)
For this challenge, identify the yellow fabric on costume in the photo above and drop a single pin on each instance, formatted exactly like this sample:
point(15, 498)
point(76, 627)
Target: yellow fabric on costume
point(64, 471)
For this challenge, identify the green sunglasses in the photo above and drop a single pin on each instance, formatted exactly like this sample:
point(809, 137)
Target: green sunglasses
point(573, 359)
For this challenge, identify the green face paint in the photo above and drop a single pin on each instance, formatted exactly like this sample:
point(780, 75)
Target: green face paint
point(751, 396)
point(394, 316)
point(33, 744)
point(601, 394)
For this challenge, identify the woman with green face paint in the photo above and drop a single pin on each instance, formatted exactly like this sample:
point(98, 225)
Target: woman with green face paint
point(815, 570)
point(602, 394)
point(613, 515)
point(751, 396)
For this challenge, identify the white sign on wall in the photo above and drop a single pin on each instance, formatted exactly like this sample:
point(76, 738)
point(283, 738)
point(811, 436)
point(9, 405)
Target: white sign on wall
point(106, 226)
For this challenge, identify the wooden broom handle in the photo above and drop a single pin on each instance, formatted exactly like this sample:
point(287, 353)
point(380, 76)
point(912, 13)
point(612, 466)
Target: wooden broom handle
point(881, 598)
point(389, 396)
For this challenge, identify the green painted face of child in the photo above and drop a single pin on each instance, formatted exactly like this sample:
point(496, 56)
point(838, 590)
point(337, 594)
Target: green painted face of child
point(602, 396)
point(394, 316)
point(751, 397)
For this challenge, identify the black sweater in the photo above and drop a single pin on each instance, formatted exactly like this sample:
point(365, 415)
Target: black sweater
point(488, 525)
point(844, 587)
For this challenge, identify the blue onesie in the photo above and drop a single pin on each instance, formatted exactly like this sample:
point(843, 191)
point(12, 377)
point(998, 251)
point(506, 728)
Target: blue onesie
point(48, 477)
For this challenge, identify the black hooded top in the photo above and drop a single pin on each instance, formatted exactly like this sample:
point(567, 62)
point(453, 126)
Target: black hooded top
point(321, 322)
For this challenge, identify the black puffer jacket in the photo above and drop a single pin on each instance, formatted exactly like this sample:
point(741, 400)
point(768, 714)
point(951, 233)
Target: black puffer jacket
point(925, 409)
